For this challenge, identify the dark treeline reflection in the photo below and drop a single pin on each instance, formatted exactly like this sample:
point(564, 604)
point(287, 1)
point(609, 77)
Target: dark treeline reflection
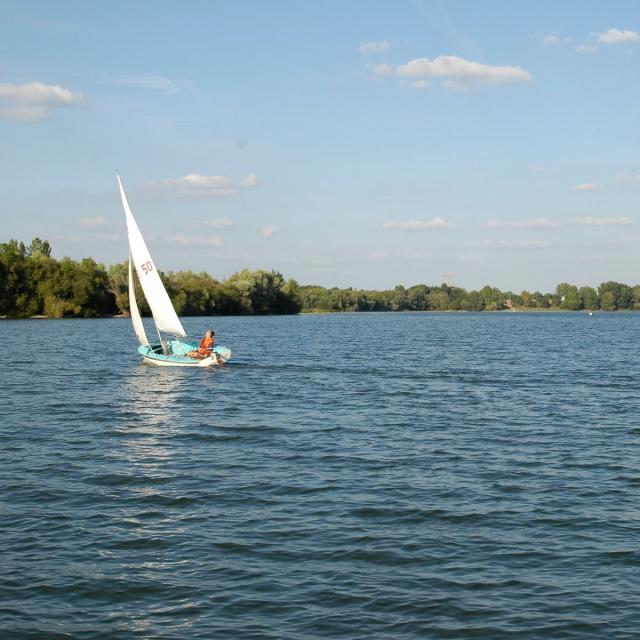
point(33, 283)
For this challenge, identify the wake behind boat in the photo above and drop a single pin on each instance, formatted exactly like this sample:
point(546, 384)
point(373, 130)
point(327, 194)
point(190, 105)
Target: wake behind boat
point(166, 352)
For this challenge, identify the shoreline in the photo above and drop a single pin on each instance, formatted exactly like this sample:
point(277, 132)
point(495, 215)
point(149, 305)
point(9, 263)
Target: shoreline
point(325, 312)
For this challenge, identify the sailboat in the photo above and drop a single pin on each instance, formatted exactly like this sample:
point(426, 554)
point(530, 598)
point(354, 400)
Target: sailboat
point(166, 352)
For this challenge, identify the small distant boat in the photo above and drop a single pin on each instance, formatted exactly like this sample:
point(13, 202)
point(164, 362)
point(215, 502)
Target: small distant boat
point(166, 352)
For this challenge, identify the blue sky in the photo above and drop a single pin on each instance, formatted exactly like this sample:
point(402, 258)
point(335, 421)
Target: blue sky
point(362, 144)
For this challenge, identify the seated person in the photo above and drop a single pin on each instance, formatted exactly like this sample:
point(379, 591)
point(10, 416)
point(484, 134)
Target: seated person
point(206, 346)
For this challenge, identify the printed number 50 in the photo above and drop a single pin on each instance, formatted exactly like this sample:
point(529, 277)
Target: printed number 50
point(147, 267)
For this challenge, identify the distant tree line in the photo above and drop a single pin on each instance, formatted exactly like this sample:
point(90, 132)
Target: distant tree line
point(33, 283)
point(609, 296)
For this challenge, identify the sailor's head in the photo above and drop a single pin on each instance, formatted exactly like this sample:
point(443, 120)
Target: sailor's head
point(210, 333)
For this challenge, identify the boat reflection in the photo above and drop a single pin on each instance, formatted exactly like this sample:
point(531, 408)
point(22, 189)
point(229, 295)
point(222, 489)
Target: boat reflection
point(148, 433)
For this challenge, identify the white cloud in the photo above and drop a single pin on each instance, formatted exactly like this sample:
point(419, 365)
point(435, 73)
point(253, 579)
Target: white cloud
point(588, 220)
point(618, 36)
point(153, 83)
point(511, 244)
point(417, 225)
point(537, 223)
point(217, 223)
point(586, 48)
point(34, 101)
point(377, 255)
point(374, 46)
point(628, 178)
point(201, 185)
point(553, 40)
point(194, 241)
point(419, 84)
point(383, 69)
point(268, 232)
point(587, 186)
point(456, 73)
point(98, 221)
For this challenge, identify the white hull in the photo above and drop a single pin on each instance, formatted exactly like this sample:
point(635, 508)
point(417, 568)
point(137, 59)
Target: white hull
point(207, 362)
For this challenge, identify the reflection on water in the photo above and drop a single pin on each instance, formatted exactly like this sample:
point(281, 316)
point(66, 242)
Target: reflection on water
point(152, 395)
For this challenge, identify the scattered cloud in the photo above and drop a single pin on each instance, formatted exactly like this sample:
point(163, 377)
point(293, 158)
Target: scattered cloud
point(217, 223)
point(608, 37)
point(34, 101)
point(588, 220)
point(201, 185)
point(98, 221)
point(628, 178)
point(195, 241)
point(546, 223)
point(417, 225)
point(374, 46)
point(268, 232)
point(419, 84)
point(511, 244)
point(150, 82)
point(618, 36)
point(587, 186)
point(537, 223)
point(455, 73)
point(554, 40)
point(586, 48)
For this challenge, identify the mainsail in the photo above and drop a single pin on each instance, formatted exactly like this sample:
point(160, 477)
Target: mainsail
point(164, 314)
point(133, 308)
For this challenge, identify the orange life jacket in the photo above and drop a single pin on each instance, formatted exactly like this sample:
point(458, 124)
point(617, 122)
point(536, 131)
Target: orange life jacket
point(206, 345)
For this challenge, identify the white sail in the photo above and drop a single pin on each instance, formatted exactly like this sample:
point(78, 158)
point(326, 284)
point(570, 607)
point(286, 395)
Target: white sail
point(133, 308)
point(163, 312)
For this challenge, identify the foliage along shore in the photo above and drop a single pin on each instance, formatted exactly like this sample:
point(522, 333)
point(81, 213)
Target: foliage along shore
point(32, 283)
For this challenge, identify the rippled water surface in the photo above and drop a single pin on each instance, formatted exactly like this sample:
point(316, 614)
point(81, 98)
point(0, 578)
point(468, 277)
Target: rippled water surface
point(345, 476)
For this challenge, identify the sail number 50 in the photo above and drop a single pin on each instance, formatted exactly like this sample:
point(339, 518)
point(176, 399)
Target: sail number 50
point(147, 267)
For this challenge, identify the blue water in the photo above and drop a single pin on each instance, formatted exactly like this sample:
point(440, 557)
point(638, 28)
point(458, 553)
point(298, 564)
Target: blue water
point(345, 476)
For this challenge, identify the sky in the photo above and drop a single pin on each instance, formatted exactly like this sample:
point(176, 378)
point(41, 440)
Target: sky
point(363, 144)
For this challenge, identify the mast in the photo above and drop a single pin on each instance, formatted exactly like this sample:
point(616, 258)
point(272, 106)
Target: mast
point(138, 327)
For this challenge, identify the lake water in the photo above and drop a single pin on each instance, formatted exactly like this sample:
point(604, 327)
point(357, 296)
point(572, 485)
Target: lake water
point(405, 475)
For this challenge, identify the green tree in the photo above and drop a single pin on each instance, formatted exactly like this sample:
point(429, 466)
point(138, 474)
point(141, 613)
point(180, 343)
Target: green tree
point(16, 291)
point(438, 300)
point(492, 298)
point(622, 295)
point(568, 296)
point(526, 299)
point(41, 247)
point(473, 302)
point(607, 301)
point(418, 297)
point(265, 292)
point(589, 298)
point(118, 278)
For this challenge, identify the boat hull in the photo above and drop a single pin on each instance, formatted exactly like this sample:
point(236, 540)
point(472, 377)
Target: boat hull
point(154, 354)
